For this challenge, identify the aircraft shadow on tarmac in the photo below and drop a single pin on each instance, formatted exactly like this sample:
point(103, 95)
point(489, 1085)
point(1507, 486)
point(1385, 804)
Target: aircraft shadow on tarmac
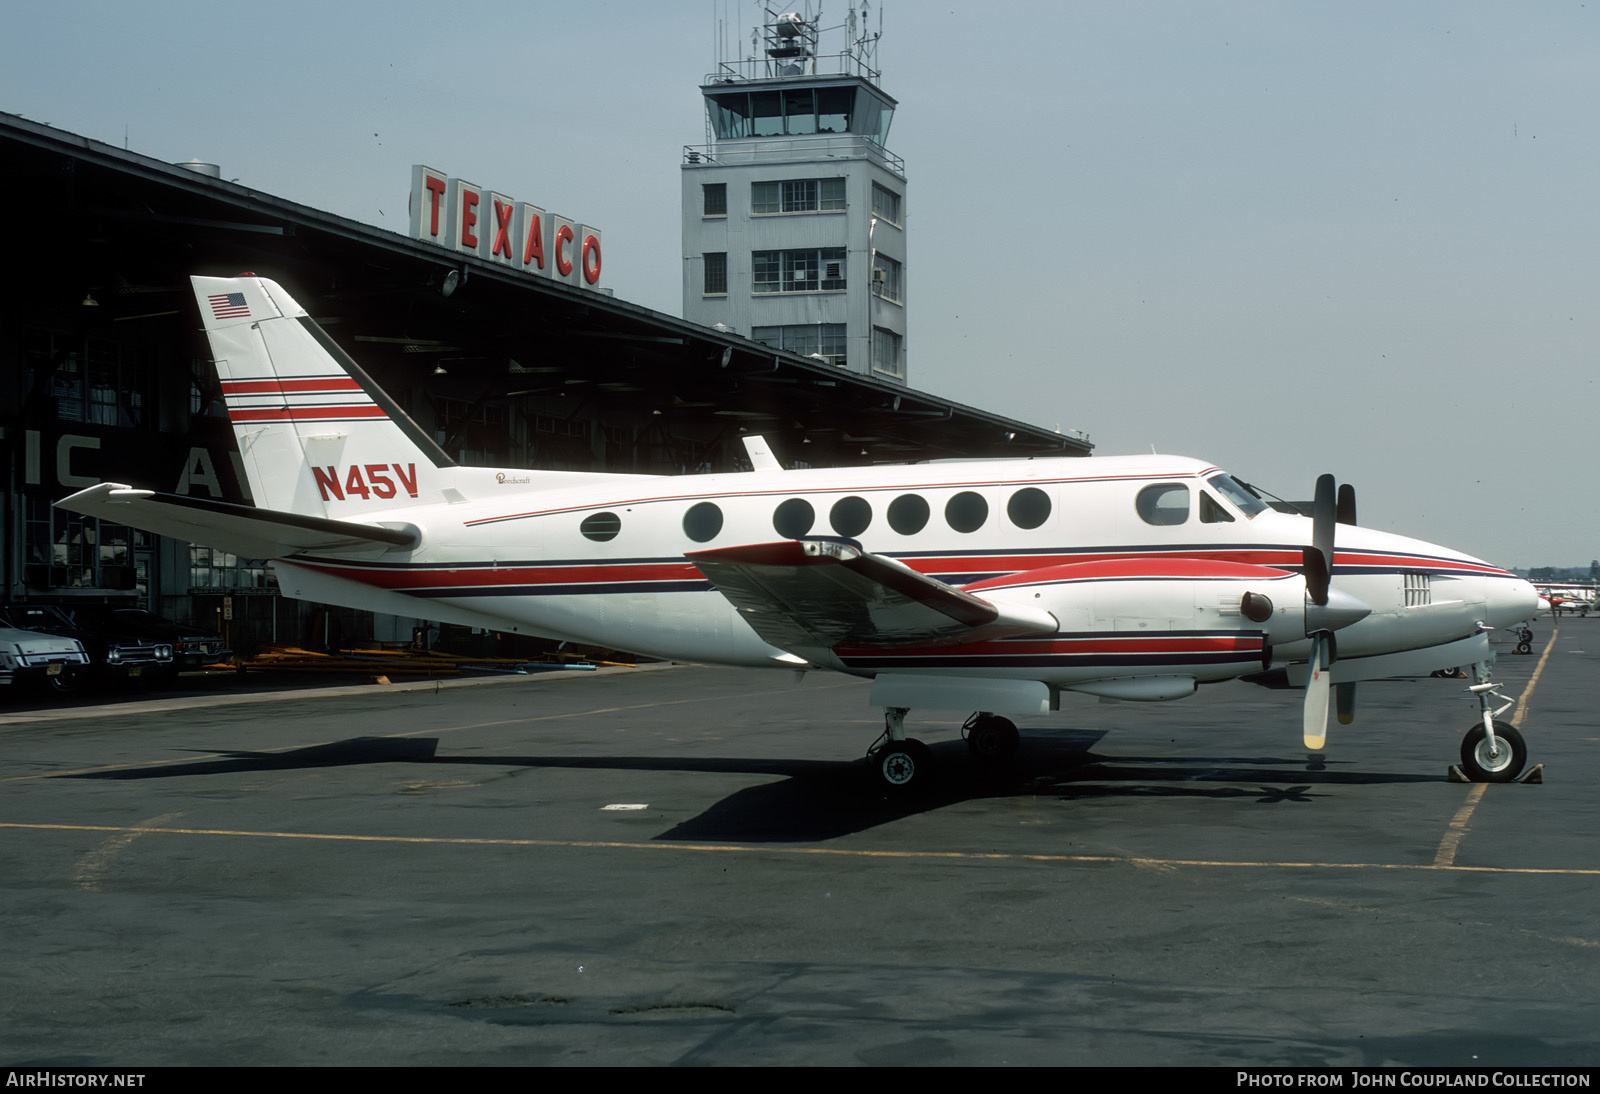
point(821, 799)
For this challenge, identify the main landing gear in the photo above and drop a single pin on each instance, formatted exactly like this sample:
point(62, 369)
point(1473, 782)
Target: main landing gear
point(905, 764)
point(990, 737)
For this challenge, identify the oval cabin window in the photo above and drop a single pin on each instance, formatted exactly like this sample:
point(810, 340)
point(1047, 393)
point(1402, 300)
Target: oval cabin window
point(1028, 507)
point(850, 516)
point(967, 511)
point(793, 518)
point(601, 527)
point(702, 522)
point(908, 514)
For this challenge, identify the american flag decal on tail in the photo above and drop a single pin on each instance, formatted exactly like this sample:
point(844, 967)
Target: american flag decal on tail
point(229, 305)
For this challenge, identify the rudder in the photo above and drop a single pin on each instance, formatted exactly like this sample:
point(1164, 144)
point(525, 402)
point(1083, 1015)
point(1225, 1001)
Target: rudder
point(316, 434)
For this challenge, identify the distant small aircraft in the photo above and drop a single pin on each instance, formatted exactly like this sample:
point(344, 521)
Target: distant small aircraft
point(990, 586)
point(1558, 600)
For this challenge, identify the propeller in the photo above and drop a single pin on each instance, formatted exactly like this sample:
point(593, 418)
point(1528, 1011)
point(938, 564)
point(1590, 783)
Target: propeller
point(1347, 504)
point(1344, 701)
point(1327, 609)
point(1316, 713)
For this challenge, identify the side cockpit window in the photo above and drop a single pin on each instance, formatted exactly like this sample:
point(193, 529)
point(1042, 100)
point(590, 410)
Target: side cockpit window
point(1163, 503)
point(1212, 511)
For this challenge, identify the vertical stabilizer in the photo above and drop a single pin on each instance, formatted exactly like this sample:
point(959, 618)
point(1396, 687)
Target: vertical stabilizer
point(317, 436)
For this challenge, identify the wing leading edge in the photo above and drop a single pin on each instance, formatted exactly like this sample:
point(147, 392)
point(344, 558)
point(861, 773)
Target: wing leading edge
point(807, 596)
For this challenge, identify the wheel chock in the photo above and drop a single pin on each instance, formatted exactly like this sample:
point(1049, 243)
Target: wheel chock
point(1534, 774)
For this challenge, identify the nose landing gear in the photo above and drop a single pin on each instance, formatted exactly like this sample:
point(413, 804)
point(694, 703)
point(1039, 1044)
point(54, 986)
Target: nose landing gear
point(1493, 751)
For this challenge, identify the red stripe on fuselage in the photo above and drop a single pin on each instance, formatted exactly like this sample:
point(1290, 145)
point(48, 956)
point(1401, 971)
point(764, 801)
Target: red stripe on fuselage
point(1143, 566)
point(481, 577)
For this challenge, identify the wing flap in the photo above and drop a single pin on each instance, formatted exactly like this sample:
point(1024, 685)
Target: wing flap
point(807, 596)
point(238, 529)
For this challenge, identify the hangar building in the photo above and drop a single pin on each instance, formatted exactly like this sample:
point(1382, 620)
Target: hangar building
point(105, 375)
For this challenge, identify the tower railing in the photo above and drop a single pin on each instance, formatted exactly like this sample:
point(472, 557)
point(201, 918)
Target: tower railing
point(792, 68)
point(744, 150)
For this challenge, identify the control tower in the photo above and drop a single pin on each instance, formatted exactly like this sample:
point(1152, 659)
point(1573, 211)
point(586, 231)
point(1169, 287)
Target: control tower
point(794, 209)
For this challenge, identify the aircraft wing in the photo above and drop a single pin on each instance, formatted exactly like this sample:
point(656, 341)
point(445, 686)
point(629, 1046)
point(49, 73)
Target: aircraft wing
point(806, 596)
point(238, 529)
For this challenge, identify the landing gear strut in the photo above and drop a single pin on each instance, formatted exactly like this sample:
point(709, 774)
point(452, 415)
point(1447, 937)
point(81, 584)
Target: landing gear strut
point(1493, 751)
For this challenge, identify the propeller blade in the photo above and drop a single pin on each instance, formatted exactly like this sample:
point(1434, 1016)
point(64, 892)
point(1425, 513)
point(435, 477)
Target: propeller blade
point(1318, 579)
point(1324, 514)
point(1316, 712)
point(1347, 504)
point(1344, 701)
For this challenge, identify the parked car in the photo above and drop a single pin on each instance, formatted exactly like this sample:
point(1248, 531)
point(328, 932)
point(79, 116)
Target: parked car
point(115, 653)
point(30, 657)
point(192, 647)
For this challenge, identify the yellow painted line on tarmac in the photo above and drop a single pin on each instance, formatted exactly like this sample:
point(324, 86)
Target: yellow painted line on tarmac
point(92, 865)
point(841, 852)
point(1451, 843)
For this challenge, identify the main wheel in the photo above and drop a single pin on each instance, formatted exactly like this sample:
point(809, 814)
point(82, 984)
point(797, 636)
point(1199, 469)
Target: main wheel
point(1498, 765)
point(992, 739)
point(904, 766)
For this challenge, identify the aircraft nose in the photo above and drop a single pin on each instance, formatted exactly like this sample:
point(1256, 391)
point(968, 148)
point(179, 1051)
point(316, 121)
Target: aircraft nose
point(1512, 602)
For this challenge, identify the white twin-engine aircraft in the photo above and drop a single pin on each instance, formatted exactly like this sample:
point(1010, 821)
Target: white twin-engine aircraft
point(989, 585)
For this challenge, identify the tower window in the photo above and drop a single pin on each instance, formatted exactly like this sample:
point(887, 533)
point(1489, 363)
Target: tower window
point(797, 196)
point(716, 276)
point(798, 271)
point(714, 199)
point(885, 204)
point(886, 278)
point(807, 339)
point(886, 352)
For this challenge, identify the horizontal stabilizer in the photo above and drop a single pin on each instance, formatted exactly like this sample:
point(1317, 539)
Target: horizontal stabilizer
point(238, 529)
point(811, 595)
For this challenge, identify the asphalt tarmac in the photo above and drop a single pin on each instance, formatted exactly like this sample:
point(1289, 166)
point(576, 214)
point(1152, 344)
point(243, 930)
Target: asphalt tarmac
point(685, 865)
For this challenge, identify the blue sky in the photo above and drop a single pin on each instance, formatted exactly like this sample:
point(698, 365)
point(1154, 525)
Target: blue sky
point(1355, 237)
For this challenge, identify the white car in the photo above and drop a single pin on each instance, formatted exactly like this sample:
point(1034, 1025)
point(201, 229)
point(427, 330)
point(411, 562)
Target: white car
point(27, 656)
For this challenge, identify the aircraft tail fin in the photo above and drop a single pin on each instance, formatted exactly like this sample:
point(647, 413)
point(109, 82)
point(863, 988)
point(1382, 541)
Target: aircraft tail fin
point(316, 434)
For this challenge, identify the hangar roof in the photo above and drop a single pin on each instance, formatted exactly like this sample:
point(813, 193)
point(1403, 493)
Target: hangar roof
point(129, 229)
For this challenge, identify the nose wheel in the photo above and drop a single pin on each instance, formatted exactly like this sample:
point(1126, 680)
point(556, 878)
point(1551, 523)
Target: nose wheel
point(1493, 751)
point(1497, 759)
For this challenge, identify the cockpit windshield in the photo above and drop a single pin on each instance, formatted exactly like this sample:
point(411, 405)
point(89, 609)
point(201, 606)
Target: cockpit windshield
point(1230, 488)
